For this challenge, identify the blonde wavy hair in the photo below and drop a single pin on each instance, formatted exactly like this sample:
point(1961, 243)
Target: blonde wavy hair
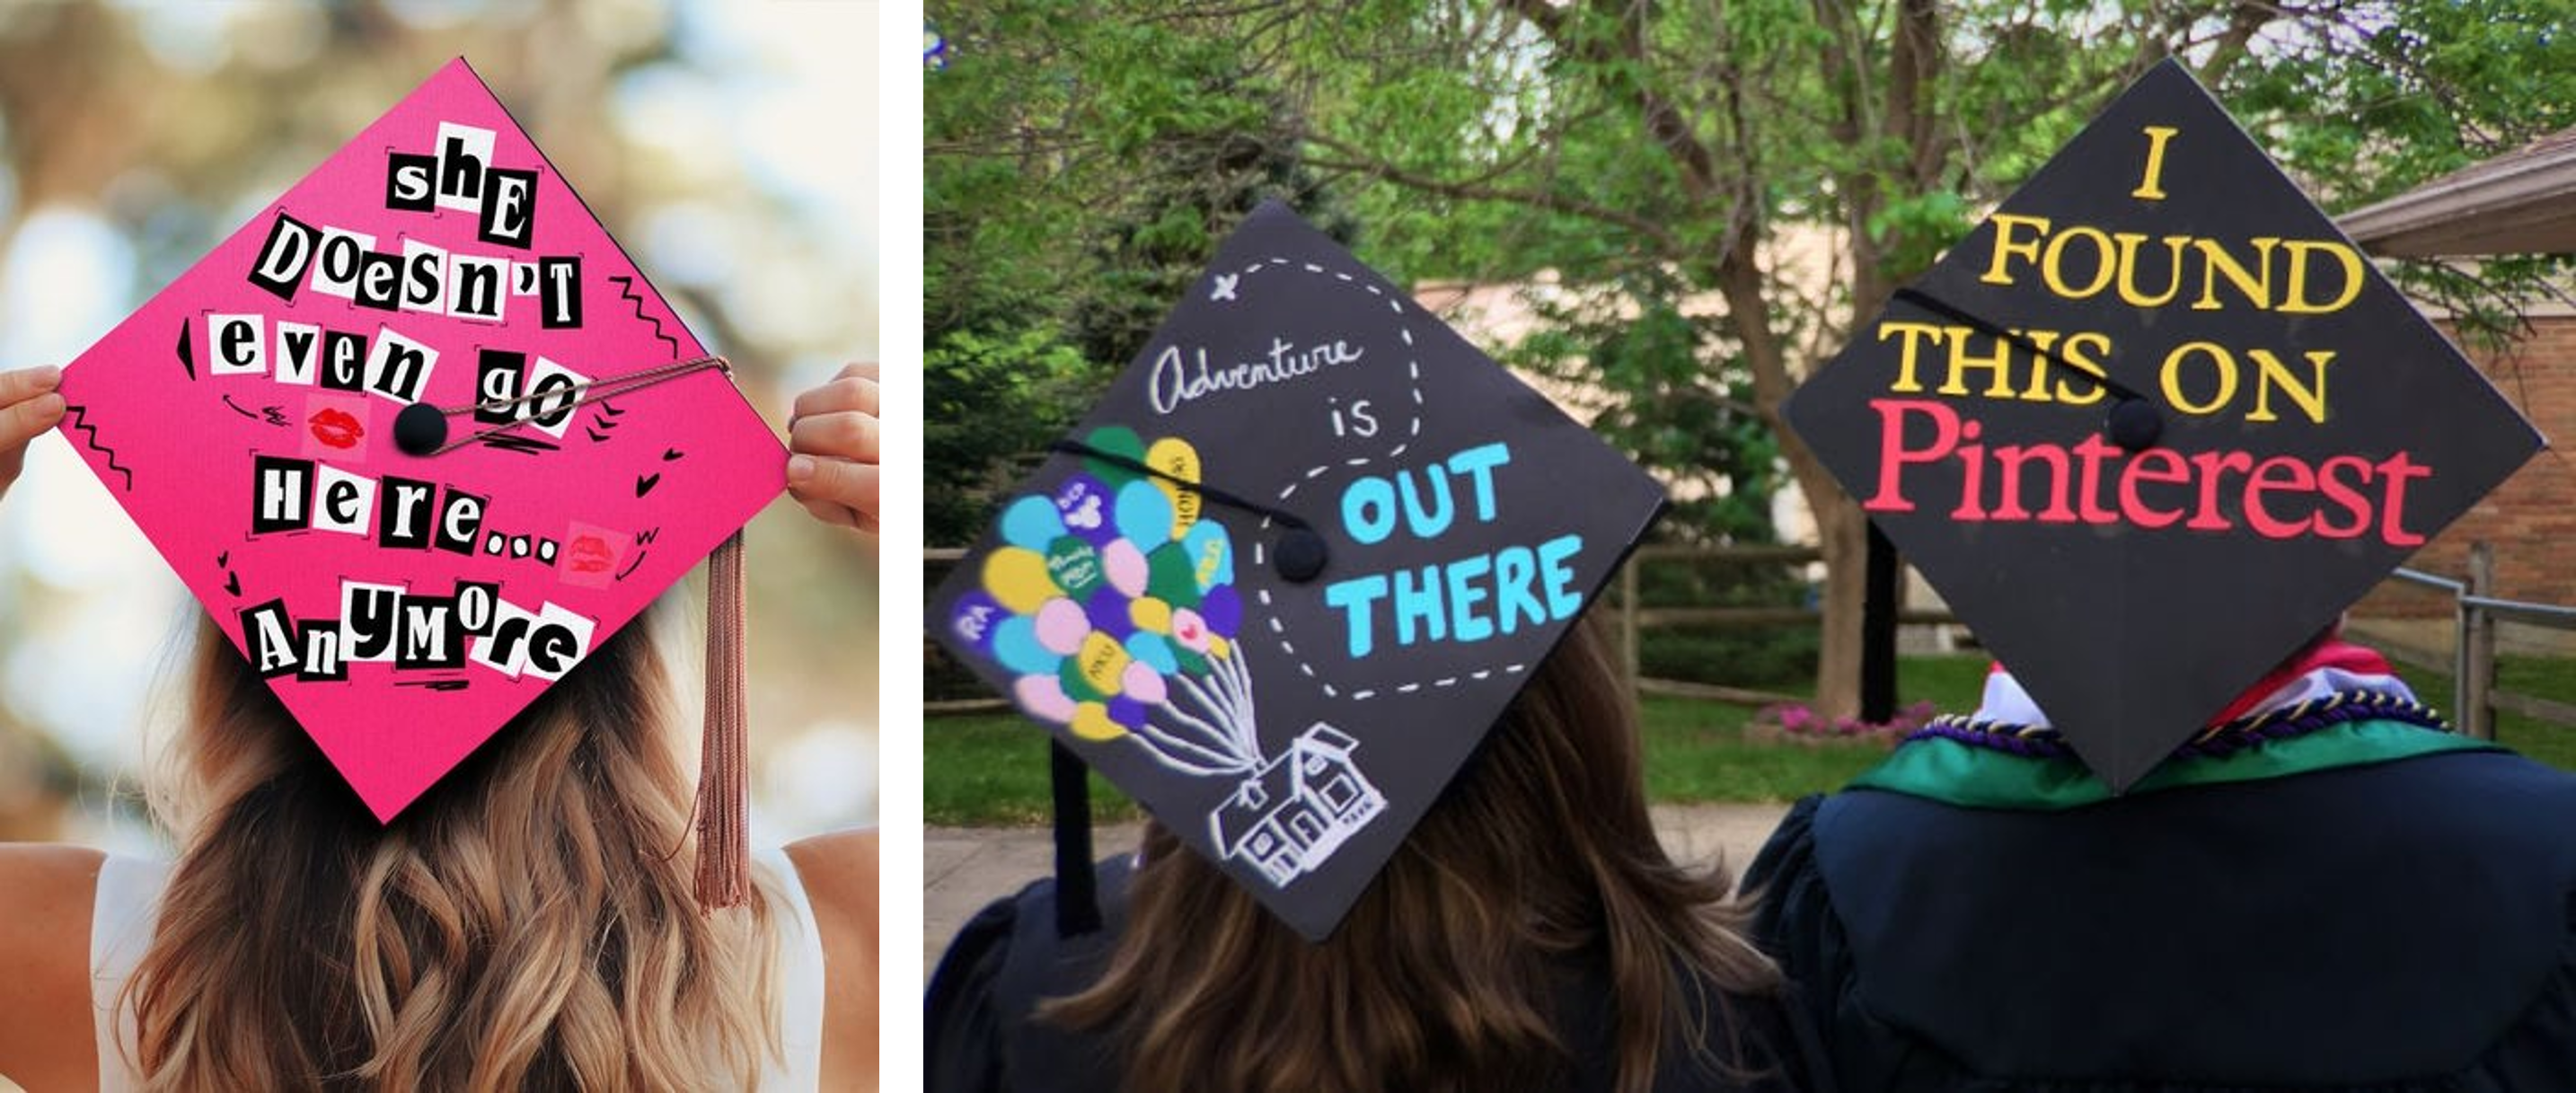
point(528, 924)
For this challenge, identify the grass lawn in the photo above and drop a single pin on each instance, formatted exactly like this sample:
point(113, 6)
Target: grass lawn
point(992, 769)
point(2539, 677)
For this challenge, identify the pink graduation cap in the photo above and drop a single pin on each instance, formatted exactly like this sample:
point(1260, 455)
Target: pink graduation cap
point(419, 436)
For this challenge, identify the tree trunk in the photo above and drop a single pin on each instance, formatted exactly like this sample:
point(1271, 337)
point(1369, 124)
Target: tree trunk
point(1843, 533)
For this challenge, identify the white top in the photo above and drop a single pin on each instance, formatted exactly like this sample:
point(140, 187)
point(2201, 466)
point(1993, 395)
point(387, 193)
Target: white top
point(129, 899)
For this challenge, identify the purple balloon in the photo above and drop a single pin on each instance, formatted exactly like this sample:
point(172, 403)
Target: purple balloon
point(975, 616)
point(1127, 711)
point(1108, 613)
point(1222, 610)
point(1088, 507)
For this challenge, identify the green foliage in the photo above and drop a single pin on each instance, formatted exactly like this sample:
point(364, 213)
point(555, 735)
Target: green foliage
point(1621, 161)
point(1773, 658)
point(1664, 401)
point(2384, 95)
point(1761, 658)
point(986, 399)
point(1082, 161)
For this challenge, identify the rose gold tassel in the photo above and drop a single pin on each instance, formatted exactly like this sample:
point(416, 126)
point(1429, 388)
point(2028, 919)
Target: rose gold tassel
point(724, 858)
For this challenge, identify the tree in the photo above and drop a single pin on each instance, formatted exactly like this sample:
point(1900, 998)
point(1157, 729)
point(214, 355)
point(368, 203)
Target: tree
point(1713, 194)
point(1739, 145)
point(1082, 162)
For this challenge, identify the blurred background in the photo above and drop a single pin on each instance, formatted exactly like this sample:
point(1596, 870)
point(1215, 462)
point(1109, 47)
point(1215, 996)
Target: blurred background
point(721, 140)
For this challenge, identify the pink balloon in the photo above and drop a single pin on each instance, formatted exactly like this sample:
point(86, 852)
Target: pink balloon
point(1189, 630)
point(1126, 566)
point(1061, 626)
point(1144, 684)
point(1043, 697)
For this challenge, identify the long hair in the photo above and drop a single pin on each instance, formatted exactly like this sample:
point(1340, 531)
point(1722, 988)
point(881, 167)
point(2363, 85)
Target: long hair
point(527, 924)
point(1447, 973)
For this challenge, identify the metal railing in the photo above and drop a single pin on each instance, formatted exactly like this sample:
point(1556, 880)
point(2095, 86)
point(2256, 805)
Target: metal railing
point(2475, 698)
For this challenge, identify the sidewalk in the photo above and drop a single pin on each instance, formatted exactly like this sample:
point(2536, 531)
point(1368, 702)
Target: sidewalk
point(966, 867)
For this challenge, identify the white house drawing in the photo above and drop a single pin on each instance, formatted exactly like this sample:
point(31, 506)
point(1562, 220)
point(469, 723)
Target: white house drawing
point(1298, 808)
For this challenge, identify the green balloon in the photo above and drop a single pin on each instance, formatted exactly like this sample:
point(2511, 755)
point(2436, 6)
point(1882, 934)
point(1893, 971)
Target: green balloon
point(1069, 674)
point(1076, 567)
point(1170, 577)
point(1117, 440)
point(1192, 664)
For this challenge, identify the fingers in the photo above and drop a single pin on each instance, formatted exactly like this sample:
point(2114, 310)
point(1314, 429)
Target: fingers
point(836, 491)
point(833, 431)
point(28, 407)
point(27, 383)
point(854, 390)
point(841, 516)
point(846, 434)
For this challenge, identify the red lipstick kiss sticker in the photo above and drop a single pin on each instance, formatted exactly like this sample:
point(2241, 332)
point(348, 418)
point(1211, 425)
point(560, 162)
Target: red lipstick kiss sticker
point(335, 428)
point(338, 428)
point(594, 557)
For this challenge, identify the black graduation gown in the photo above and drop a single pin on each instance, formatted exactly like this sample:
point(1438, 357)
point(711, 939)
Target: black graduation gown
point(2403, 925)
point(981, 1038)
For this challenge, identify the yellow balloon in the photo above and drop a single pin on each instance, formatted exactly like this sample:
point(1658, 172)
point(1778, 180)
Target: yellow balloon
point(1174, 456)
point(1104, 663)
point(1219, 647)
point(1150, 615)
point(1091, 722)
point(1018, 577)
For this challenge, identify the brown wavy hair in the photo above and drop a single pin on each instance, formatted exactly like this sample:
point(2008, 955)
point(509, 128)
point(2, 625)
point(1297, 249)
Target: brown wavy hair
point(1446, 974)
point(528, 924)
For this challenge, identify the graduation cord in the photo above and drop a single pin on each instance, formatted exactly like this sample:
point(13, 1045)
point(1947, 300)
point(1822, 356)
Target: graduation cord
point(421, 429)
point(2225, 738)
point(1222, 497)
point(2132, 421)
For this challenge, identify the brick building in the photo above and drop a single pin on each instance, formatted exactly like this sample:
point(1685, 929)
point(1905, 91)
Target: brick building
point(2523, 202)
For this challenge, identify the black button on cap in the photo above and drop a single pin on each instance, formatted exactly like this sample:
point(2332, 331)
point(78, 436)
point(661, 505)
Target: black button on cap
point(420, 429)
point(1300, 555)
point(2134, 424)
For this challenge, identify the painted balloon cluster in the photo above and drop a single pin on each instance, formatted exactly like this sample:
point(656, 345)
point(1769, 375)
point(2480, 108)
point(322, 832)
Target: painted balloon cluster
point(1112, 603)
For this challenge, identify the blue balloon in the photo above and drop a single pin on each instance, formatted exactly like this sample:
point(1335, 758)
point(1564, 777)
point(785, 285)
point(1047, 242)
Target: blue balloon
point(1222, 610)
point(1208, 539)
point(1152, 651)
point(1032, 522)
point(1144, 515)
point(1015, 645)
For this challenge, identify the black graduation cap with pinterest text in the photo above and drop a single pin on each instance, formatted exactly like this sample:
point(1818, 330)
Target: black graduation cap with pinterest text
point(2155, 423)
point(1278, 584)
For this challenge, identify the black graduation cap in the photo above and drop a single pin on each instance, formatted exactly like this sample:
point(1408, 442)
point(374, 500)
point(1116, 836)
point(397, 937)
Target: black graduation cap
point(2154, 423)
point(1283, 578)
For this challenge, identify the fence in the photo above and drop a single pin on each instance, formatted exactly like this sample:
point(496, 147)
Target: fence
point(2471, 664)
point(934, 561)
point(1633, 618)
point(2475, 697)
point(1630, 617)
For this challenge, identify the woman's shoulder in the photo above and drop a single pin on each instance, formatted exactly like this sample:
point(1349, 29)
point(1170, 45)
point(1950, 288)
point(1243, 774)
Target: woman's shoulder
point(839, 874)
point(46, 893)
point(839, 871)
point(47, 896)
